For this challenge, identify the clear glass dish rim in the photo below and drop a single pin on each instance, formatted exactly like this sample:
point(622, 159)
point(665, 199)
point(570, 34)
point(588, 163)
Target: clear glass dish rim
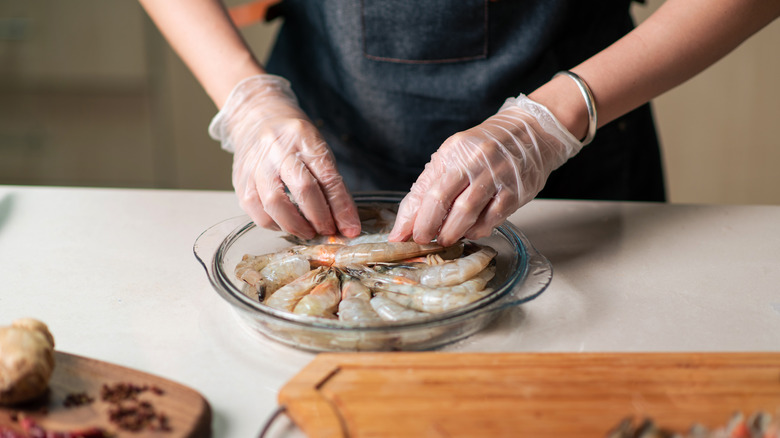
point(524, 257)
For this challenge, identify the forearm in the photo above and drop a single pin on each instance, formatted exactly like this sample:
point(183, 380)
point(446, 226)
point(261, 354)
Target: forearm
point(677, 42)
point(203, 36)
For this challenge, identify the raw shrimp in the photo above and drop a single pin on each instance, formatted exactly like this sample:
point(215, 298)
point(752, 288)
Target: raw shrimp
point(367, 279)
point(383, 252)
point(288, 295)
point(389, 310)
point(336, 239)
point(407, 286)
point(355, 303)
point(320, 255)
point(248, 269)
point(379, 252)
point(323, 300)
point(457, 271)
point(438, 300)
point(433, 300)
point(277, 274)
point(448, 253)
point(432, 273)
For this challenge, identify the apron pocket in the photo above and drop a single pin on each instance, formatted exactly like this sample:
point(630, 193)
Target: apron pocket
point(431, 31)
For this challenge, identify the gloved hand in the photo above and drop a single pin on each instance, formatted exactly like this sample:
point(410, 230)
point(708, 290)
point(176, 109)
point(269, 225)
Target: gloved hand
point(276, 146)
point(480, 176)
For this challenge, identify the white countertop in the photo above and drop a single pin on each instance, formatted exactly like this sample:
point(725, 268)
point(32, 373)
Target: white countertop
point(112, 272)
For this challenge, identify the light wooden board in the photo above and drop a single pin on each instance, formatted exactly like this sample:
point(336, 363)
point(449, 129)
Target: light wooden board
point(525, 395)
point(188, 413)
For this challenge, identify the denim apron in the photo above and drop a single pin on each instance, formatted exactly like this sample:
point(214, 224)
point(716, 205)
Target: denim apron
point(387, 81)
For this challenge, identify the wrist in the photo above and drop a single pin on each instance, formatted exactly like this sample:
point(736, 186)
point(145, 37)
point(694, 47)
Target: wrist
point(226, 81)
point(563, 98)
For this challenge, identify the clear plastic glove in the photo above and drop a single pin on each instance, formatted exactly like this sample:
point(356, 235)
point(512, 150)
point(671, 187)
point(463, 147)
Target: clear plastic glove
point(277, 149)
point(480, 176)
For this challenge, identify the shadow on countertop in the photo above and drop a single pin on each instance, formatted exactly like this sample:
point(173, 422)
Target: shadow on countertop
point(6, 205)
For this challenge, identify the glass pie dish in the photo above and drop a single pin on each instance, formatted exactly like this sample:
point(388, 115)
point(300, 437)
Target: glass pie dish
point(522, 273)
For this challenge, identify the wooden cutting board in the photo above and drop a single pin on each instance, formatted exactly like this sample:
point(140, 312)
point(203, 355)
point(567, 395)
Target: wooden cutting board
point(188, 413)
point(525, 395)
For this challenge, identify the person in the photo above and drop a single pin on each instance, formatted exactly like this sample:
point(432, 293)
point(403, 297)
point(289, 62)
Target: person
point(429, 97)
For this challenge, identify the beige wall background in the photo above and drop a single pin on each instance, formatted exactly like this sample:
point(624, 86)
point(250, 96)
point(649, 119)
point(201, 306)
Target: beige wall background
point(718, 130)
point(91, 95)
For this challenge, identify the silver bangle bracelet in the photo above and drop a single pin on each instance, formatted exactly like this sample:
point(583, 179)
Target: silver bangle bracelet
point(589, 102)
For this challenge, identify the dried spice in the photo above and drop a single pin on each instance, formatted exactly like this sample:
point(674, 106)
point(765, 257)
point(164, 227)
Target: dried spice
point(77, 399)
point(120, 392)
point(136, 416)
point(126, 391)
point(126, 412)
point(130, 413)
point(156, 390)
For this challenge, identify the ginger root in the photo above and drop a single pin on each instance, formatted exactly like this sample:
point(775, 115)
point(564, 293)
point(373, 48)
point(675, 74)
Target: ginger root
point(26, 360)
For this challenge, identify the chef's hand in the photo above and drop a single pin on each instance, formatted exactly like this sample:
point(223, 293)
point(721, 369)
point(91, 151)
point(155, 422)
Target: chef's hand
point(276, 147)
point(479, 177)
